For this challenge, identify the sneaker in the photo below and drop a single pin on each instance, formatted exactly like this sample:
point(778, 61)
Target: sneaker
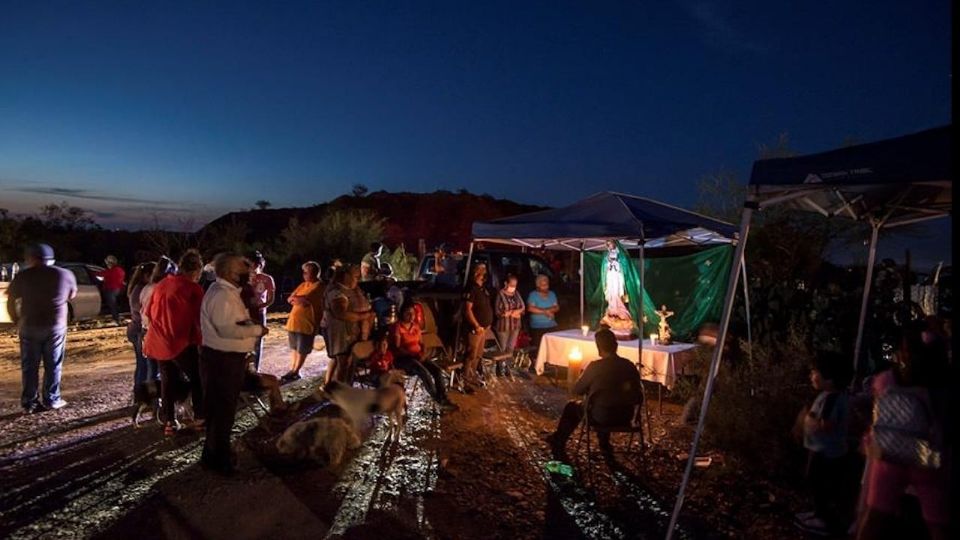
point(813, 525)
point(290, 376)
point(34, 408)
point(58, 404)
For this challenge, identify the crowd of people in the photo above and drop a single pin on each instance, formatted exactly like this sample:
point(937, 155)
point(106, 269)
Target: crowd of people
point(199, 328)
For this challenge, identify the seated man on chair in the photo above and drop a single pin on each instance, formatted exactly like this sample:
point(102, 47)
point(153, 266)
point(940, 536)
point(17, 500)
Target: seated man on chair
point(614, 384)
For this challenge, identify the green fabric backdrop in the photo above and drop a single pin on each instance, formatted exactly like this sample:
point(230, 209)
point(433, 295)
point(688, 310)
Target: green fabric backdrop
point(691, 286)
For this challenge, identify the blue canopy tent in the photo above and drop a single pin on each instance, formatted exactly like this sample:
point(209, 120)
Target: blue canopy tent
point(587, 225)
point(884, 184)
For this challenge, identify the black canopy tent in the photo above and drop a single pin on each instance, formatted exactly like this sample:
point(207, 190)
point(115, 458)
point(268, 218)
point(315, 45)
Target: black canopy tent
point(885, 184)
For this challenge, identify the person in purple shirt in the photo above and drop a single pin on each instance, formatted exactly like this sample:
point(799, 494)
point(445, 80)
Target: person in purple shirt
point(42, 292)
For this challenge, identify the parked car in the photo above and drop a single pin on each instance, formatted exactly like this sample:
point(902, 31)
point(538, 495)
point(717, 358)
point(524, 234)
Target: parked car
point(86, 305)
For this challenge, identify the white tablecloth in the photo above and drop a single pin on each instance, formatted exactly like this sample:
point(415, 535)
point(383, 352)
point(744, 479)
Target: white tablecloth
point(661, 363)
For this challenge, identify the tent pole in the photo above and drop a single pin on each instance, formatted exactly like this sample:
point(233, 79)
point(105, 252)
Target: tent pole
point(582, 298)
point(865, 301)
point(746, 303)
point(748, 208)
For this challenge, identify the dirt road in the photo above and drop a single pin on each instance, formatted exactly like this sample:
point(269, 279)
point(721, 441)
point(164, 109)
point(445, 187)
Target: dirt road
point(475, 473)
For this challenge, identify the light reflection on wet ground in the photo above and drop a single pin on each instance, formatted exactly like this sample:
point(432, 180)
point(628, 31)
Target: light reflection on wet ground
point(385, 472)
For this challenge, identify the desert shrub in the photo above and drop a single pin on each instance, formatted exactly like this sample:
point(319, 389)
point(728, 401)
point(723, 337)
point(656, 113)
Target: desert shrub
point(404, 264)
point(343, 234)
point(756, 400)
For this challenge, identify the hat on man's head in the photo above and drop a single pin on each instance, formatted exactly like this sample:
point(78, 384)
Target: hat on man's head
point(41, 251)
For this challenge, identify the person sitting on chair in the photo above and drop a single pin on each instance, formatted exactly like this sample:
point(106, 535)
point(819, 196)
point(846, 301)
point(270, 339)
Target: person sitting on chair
point(613, 385)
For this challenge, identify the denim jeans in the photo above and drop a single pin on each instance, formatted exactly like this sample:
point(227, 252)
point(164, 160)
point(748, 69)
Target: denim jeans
point(507, 340)
point(36, 345)
point(111, 298)
point(429, 373)
point(146, 369)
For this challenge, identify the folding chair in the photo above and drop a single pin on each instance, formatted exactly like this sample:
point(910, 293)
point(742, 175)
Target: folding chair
point(492, 353)
point(360, 353)
point(437, 351)
point(587, 425)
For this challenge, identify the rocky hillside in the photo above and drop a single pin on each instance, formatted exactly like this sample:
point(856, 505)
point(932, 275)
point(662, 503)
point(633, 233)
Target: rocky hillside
point(441, 216)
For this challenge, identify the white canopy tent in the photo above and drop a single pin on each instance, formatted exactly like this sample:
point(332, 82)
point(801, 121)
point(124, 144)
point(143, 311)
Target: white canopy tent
point(885, 184)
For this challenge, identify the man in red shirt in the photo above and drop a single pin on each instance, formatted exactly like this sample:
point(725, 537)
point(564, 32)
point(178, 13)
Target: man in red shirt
point(112, 285)
point(174, 338)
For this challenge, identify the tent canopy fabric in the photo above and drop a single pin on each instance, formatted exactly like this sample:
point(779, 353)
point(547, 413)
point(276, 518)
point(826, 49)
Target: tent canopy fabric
point(589, 223)
point(891, 182)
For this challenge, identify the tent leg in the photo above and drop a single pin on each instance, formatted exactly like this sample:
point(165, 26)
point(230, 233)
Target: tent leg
point(640, 324)
point(865, 301)
point(746, 303)
point(582, 298)
point(715, 361)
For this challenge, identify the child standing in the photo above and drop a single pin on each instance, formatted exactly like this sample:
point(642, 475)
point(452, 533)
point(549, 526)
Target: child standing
point(825, 437)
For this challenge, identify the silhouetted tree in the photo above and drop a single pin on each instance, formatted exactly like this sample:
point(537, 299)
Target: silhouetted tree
point(263, 204)
point(66, 217)
point(360, 190)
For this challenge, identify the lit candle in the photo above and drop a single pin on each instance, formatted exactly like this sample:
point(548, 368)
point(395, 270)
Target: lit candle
point(574, 360)
point(653, 339)
point(585, 329)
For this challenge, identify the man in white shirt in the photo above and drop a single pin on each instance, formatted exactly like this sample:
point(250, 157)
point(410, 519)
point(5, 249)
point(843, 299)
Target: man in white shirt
point(229, 337)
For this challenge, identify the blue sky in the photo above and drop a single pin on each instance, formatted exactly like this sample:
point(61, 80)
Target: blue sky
point(185, 110)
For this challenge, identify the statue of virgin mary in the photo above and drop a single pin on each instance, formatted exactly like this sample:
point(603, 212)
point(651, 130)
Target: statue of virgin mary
point(616, 316)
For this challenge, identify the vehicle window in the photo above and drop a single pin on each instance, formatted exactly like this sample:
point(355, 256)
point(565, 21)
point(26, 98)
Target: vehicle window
point(511, 264)
point(428, 264)
point(537, 267)
point(83, 277)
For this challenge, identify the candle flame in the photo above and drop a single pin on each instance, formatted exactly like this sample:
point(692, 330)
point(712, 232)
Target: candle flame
point(575, 355)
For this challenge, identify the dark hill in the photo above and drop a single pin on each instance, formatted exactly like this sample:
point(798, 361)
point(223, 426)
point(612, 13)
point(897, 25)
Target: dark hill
point(441, 216)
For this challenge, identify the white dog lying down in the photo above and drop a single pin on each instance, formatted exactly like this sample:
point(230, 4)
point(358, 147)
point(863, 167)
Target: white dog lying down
point(318, 438)
point(359, 403)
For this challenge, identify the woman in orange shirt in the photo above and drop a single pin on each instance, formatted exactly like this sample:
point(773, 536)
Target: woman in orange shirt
point(407, 341)
point(303, 324)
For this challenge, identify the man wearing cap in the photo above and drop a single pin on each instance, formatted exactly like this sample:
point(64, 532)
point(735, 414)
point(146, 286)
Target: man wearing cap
point(112, 278)
point(43, 291)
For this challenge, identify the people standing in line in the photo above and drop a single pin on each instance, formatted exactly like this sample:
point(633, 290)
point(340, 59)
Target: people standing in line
point(145, 370)
point(611, 385)
point(229, 337)
point(174, 337)
point(509, 308)
point(42, 291)
point(478, 309)
point(824, 429)
point(543, 307)
point(348, 318)
point(303, 323)
point(112, 285)
point(264, 293)
point(909, 443)
point(407, 344)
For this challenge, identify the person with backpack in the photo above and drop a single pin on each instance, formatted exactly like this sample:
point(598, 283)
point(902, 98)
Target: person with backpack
point(907, 442)
point(824, 429)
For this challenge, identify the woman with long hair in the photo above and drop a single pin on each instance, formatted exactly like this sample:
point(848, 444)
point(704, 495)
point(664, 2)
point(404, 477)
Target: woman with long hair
point(145, 370)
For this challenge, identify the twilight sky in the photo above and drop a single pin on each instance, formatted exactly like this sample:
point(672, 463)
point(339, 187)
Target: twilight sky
point(191, 109)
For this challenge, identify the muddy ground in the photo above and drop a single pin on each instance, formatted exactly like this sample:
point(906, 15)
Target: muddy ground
point(84, 471)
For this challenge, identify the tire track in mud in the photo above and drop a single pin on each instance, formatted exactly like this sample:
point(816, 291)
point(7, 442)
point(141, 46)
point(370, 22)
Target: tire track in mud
point(581, 507)
point(116, 473)
point(385, 474)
